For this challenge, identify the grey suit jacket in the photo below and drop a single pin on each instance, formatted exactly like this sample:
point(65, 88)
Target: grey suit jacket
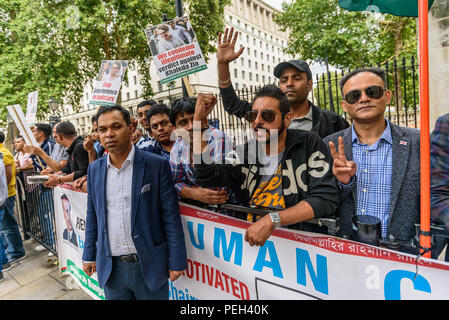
point(405, 179)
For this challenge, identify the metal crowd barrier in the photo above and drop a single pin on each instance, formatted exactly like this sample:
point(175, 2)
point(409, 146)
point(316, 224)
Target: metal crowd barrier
point(35, 211)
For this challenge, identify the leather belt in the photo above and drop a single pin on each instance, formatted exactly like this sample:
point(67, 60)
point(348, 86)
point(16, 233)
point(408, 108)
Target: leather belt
point(128, 258)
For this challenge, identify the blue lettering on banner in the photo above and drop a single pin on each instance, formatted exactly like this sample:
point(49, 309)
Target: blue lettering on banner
point(273, 263)
point(319, 278)
point(392, 283)
point(236, 242)
point(200, 233)
point(178, 294)
point(80, 243)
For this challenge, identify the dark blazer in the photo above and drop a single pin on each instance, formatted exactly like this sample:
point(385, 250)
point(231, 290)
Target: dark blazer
point(405, 179)
point(155, 220)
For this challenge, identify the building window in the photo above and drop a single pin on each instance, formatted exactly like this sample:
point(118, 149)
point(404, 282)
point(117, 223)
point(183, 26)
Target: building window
point(250, 76)
point(136, 94)
point(135, 80)
point(249, 63)
point(159, 86)
point(235, 73)
point(257, 77)
point(255, 65)
point(243, 75)
point(242, 60)
point(127, 96)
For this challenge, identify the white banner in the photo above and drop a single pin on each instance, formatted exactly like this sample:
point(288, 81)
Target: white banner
point(70, 219)
point(19, 119)
point(108, 82)
point(175, 49)
point(292, 265)
point(32, 107)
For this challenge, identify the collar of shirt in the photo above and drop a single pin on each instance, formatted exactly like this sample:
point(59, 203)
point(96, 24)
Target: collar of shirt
point(74, 143)
point(386, 135)
point(308, 116)
point(128, 161)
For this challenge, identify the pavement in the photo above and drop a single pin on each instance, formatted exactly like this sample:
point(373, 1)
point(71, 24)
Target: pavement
point(36, 277)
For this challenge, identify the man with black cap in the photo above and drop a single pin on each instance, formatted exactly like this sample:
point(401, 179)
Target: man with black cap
point(295, 80)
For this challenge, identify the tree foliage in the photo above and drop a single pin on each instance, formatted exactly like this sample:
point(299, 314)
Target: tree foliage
point(351, 39)
point(56, 46)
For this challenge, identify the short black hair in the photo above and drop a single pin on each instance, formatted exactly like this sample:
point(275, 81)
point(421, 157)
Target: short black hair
point(20, 137)
point(64, 197)
point(182, 105)
point(273, 91)
point(377, 71)
point(146, 103)
point(93, 119)
point(158, 109)
point(66, 129)
point(2, 137)
point(45, 128)
point(105, 109)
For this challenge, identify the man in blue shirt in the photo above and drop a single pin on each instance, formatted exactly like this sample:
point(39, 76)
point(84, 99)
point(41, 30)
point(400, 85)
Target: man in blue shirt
point(376, 162)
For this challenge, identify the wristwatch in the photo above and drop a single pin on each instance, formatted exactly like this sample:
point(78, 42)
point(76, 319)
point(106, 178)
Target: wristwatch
point(274, 215)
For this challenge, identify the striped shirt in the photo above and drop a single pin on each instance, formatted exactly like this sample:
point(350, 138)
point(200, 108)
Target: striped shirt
point(182, 168)
point(374, 168)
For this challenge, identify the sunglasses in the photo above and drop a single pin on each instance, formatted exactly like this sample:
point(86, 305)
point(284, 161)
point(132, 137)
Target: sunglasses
point(266, 114)
point(374, 92)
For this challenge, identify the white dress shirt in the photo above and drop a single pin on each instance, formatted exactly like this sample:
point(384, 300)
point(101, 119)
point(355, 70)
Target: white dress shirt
point(118, 206)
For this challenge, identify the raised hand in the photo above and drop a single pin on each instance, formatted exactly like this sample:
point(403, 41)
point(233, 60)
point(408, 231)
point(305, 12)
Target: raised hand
point(226, 47)
point(342, 169)
point(205, 103)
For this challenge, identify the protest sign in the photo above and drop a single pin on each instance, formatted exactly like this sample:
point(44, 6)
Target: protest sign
point(32, 107)
point(19, 119)
point(108, 82)
point(70, 220)
point(175, 49)
point(292, 265)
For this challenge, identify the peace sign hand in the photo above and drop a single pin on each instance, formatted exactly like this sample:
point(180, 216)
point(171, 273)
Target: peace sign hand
point(342, 169)
point(225, 50)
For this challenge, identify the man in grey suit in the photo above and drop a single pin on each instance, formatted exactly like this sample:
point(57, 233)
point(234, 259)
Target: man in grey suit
point(376, 162)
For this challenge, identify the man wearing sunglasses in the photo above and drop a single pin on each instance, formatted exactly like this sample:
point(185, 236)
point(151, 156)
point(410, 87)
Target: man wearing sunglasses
point(376, 162)
point(287, 172)
point(295, 80)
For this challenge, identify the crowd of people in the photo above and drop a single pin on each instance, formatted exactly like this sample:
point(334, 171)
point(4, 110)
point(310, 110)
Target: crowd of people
point(304, 162)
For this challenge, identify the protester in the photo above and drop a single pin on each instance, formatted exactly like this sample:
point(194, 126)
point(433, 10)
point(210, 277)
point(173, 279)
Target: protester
point(181, 157)
point(295, 80)
point(377, 162)
point(42, 133)
point(161, 129)
point(137, 136)
point(22, 159)
point(4, 264)
point(56, 159)
point(439, 181)
point(133, 249)
point(284, 171)
point(78, 157)
point(92, 144)
point(167, 40)
point(142, 109)
point(8, 226)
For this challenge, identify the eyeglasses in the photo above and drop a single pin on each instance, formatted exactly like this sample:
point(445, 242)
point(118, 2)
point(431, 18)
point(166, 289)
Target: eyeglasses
point(267, 115)
point(374, 92)
point(155, 126)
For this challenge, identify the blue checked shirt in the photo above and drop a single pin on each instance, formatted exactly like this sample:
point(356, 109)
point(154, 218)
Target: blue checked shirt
point(182, 168)
point(374, 168)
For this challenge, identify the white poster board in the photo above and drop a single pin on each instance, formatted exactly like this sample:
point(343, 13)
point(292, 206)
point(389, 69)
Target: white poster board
point(175, 49)
point(32, 107)
point(20, 120)
point(108, 82)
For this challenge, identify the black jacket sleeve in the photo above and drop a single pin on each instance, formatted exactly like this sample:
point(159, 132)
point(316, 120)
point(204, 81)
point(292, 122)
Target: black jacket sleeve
point(82, 161)
point(232, 104)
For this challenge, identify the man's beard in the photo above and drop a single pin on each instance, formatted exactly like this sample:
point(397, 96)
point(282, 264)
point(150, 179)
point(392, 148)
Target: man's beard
point(270, 137)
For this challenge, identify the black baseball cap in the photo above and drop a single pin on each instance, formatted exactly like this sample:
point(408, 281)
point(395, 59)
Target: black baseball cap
point(301, 65)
